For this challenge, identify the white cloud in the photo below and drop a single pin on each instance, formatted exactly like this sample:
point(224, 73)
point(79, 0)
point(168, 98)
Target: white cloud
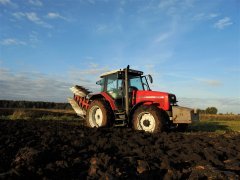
point(213, 15)
point(93, 70)
point(39, 86)
point(12, 41)
point(166, 3)
point(162, 37)
point(88, 76)
point(199, 16)
point(205, 16)
point(91, 1)
point(211, 82)
point(18, 15)
point(93, 65)
point(101, 27)
point(53, 15)
point(35, 2)
point(32, 86)
point(33, 17)
point(175, 7)
point(6, 2)
point(223, 23)
point(205, 81)
point(108, 28)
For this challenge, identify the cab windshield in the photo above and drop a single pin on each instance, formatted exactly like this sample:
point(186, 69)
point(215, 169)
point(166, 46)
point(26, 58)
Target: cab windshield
point(138, 83)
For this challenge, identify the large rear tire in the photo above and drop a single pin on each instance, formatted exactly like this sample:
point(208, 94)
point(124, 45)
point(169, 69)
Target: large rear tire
point(99, 114)
point(149, 119)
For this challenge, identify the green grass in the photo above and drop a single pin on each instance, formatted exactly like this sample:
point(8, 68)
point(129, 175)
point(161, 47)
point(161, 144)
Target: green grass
point(217, 123)
point(216, 126)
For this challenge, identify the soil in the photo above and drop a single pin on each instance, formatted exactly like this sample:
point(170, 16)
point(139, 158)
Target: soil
point(68, 150)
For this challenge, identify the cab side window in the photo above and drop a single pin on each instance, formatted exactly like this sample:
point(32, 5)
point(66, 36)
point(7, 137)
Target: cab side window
point(101, 83)
point(114, 86)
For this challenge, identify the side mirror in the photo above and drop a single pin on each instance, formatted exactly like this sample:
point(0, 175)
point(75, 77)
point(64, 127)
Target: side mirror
point(100, 82)
point(150, 78)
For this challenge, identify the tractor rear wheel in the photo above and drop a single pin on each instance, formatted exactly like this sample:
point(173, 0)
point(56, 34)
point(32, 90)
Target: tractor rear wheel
point(149, 118)
point(98, 114)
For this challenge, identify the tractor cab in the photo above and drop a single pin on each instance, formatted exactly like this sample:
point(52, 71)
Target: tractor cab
point(113, 83)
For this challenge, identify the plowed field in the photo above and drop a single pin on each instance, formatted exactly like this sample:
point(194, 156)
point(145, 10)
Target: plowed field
point(67, 150)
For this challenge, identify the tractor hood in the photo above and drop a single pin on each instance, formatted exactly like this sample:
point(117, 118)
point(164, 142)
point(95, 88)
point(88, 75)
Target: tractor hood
point(164, 99)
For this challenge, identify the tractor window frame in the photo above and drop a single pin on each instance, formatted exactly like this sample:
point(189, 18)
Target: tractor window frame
point(148, 87)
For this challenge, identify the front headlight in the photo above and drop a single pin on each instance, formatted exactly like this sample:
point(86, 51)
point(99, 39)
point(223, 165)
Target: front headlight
point(172, 99)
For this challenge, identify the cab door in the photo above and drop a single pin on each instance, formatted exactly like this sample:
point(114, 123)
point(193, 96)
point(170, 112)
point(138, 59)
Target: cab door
point(114, 87)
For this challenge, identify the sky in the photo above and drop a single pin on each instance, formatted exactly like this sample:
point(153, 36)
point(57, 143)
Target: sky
point(190, 47)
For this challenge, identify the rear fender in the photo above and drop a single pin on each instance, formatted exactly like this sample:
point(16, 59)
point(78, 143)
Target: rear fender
point(105, 96)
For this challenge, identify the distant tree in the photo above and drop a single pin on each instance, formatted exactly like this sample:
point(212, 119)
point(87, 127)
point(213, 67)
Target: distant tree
point(21, 104)
point(33, 104)
point(201, 111)
point(211, 110)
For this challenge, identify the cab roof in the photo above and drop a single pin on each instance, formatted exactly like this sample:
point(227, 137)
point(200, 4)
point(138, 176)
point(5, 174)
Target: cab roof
point(131, 71)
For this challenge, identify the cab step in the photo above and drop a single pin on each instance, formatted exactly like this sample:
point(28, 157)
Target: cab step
point(120, 124)
point(120, 119)
point(120, 115)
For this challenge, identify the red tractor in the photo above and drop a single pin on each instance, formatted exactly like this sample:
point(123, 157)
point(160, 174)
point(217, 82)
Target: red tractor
point(127, 100)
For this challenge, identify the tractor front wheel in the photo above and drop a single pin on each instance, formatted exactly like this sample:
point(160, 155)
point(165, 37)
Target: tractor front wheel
point(98, 114)
point(149, 118)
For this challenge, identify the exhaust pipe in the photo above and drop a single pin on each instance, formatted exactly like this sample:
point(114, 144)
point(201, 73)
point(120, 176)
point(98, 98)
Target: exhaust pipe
point(126, 92)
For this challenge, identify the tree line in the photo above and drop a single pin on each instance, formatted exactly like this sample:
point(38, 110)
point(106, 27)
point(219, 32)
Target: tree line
point(33, 104)
point(209, 110)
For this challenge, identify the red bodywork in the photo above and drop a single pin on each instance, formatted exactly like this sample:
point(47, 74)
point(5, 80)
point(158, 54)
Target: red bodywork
point(82, 101)
point(161, 99)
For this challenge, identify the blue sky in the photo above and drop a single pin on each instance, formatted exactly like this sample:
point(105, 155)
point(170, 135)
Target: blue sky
point(191, 47)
